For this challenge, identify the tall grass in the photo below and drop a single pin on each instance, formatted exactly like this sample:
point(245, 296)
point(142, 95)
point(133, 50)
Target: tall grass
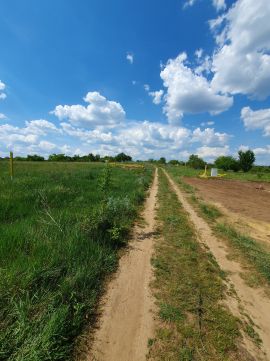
point(61, 226)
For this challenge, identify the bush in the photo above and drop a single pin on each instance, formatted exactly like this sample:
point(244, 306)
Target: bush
point(246, 160)
point(174, 162)
point(196, 162)
point(227, 163)
point(110, 221)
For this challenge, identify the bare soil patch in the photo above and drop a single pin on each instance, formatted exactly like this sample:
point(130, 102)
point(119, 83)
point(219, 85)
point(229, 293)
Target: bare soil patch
point(249, 199)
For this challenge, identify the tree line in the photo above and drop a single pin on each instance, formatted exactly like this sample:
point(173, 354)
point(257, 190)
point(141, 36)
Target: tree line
point(244, 162)
point(121, 157)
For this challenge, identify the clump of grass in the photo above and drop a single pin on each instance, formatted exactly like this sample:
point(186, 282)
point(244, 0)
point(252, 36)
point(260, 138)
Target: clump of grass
point(61, 225)
point(209, 211)
point(195, 324)
point(251, 249)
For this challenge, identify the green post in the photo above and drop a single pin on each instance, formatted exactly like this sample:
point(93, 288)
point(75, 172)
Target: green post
point(11, 169)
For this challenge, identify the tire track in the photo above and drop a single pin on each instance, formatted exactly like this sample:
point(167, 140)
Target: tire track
point(127, 319)
point(256, 305)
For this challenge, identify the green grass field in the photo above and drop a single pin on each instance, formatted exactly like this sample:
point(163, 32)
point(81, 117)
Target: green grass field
point(61, 226)
point(249, 176)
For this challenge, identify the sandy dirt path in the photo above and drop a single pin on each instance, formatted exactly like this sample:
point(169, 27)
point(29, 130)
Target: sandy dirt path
point(127, 316)
point(256, 305)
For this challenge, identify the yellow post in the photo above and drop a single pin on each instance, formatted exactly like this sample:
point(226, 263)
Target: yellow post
point(11, 169)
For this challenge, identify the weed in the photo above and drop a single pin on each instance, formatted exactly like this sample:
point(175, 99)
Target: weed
point(252, 250)
point(209, 211)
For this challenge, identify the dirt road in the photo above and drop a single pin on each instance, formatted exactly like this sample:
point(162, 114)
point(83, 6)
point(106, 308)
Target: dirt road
point(127, 318)
point(253, 301)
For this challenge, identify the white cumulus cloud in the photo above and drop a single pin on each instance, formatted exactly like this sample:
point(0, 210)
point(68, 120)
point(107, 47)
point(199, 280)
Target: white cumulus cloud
point(188, 92)
point(99, 111)
point(210, 153)
point(157, 96)
point(208, 136)
point(241, 62)
point(258, 119)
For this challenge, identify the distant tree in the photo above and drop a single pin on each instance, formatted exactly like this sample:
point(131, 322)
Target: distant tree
point(227, 163)
point(122, 157)
point(91, 157)
point(76, 158)
point(174, 162)
point(97, 158)
point(35, 158)
point(108, 158)
point(162, 160)
point(20, 159)
point(246, 159)
point(196, 162)
point(59, 158)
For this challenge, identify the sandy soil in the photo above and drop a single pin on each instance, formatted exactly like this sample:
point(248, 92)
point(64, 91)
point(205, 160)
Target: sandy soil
point(245, 204)
point(250, 199)
point(127, 317)
point(253, 301)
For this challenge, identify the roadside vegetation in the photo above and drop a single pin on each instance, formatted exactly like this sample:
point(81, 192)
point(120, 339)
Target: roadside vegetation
point(190, 289)
point(61, 226)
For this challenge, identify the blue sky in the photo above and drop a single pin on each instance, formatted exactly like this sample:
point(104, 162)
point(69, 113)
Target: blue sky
point(150, 78)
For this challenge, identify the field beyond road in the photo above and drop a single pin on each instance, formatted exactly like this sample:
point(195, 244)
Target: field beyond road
point(250, 199)
point(61, 226)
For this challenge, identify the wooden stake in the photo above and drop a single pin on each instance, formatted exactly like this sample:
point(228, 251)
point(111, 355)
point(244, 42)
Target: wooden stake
point(11, 169)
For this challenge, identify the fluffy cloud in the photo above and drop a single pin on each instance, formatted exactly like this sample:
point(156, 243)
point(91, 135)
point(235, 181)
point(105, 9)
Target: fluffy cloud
point(262, 151)
point(241, 63)
point(11, 136)
point(39, 127)
point(210, 153)
point(88, 136)
point(47, 146)
point(259, 119)
point(130, 58)
point(218, 4)
point(145, 139)
point(208, 136)
point(99, 112)
point(157, 96)
point(188, 92)
point(141, 139)
point(2, 87)
point(2, 116)
point(199, 53)
point(262, 155)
